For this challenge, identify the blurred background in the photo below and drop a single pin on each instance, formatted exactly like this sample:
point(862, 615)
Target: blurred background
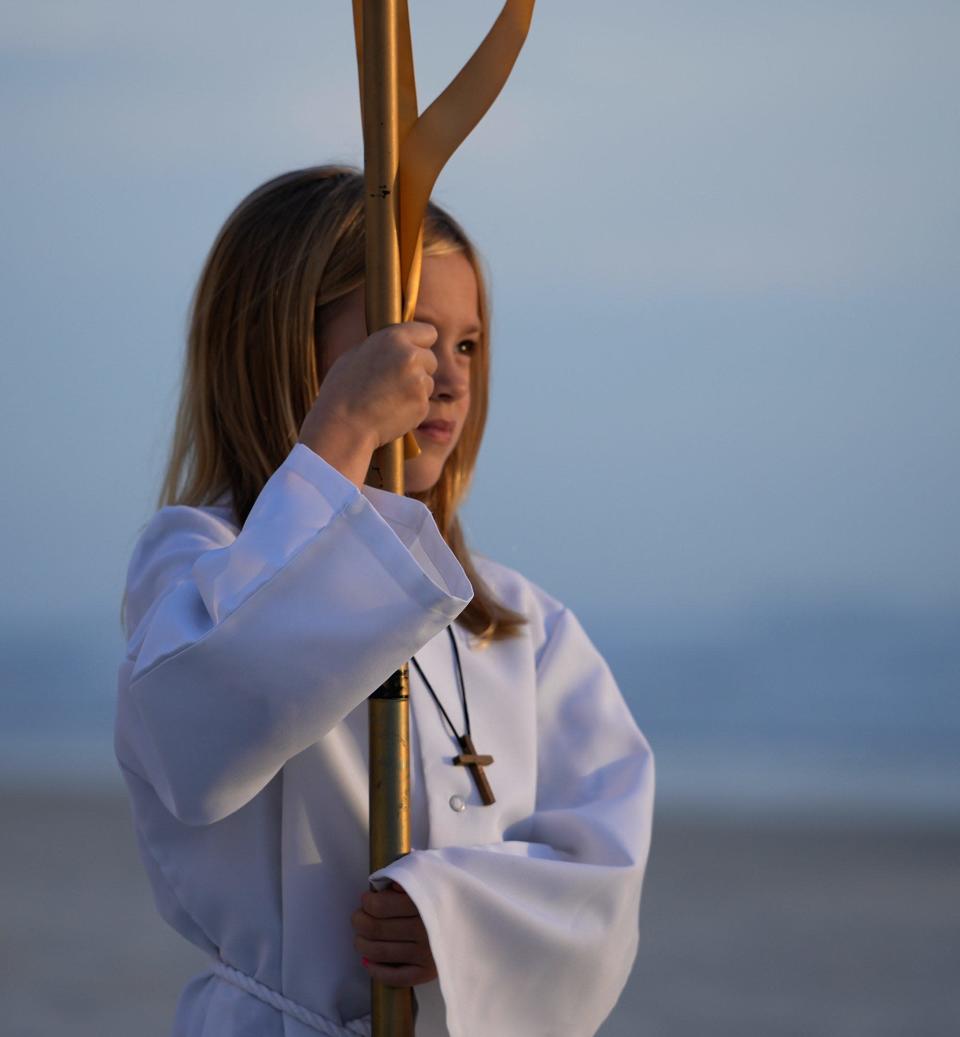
point(723, 248)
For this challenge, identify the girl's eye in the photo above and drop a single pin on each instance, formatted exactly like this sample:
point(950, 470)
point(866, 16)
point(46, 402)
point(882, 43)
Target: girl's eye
point(471, 347)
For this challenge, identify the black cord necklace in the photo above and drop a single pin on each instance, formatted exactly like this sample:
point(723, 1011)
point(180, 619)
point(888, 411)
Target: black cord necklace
point(468, 757)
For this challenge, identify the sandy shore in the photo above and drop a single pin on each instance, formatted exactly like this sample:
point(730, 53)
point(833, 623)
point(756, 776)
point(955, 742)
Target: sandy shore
point(748, 928)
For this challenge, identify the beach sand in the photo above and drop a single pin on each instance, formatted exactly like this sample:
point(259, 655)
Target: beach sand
point(749, 927)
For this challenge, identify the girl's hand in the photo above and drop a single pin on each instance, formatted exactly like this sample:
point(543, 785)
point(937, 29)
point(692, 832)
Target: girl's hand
point(393, 939)
point(373, 393)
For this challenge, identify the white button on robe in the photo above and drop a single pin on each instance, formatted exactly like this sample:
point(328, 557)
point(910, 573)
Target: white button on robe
point(241, 731)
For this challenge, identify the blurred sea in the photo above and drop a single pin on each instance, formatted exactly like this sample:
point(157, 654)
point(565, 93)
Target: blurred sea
point(816, 708)
point(802, 877)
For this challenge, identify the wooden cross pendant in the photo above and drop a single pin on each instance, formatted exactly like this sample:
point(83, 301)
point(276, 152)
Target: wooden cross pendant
point(470, 758)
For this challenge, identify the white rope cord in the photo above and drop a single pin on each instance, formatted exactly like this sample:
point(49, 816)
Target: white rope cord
point(355, 1028)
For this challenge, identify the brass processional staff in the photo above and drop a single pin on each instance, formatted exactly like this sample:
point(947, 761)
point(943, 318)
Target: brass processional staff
point(403, 154)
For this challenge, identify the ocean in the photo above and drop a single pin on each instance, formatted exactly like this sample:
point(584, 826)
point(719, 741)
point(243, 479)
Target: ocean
point(787, 708)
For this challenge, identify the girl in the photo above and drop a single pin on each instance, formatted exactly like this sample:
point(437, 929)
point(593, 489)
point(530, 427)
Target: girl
point(273, 591)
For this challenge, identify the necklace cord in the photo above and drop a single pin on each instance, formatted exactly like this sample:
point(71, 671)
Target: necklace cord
point(460, 682)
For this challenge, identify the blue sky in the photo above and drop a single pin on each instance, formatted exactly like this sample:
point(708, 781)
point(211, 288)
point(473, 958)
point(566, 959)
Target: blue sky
point(723, 248)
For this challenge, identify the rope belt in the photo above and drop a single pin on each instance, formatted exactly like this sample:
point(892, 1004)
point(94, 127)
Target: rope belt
point(355, 1028)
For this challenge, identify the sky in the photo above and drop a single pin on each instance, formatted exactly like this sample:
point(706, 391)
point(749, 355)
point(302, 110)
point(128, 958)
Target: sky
point(722, 241)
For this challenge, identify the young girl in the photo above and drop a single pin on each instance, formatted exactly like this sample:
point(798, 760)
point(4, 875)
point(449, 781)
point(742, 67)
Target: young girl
point(274, 591)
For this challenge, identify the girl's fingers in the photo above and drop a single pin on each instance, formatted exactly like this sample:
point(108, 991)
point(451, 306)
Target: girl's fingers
point(400, 975)
point(392, 938)
point(385, 952)
point(395, 929)
point(388, 903)
point(421, 333)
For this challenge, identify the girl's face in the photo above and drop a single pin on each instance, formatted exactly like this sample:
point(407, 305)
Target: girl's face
point(448, 301)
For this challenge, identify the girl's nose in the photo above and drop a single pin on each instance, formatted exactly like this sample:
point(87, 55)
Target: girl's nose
point(452, 376)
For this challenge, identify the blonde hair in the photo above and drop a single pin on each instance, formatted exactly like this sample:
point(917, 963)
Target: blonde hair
point(286, 254)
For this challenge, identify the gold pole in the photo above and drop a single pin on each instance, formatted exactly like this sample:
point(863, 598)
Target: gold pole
point(388, 706)
point(403, 154)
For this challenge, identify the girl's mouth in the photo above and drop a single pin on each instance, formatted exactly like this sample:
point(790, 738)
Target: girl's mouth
point(439, 431)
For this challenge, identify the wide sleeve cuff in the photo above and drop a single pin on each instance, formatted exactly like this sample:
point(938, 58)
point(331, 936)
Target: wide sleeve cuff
point(250, 647)
point(303, 496)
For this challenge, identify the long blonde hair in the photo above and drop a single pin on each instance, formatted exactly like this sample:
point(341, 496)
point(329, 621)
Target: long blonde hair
point(286, 254)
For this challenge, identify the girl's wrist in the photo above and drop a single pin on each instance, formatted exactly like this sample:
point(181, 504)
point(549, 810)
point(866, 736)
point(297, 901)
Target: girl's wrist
point(343, 447)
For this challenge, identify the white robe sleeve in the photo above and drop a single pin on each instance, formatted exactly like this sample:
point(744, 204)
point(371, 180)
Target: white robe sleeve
point(245, 648)
point(535, 936)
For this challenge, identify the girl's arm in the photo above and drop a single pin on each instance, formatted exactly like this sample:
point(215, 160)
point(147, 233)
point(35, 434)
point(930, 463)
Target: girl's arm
point(245, 648)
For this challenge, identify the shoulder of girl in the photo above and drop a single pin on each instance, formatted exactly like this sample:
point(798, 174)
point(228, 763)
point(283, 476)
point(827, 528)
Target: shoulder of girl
point(515, 590)
point(180, 525)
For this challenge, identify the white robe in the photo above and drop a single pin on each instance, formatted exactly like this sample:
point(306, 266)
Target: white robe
point(241, 731)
